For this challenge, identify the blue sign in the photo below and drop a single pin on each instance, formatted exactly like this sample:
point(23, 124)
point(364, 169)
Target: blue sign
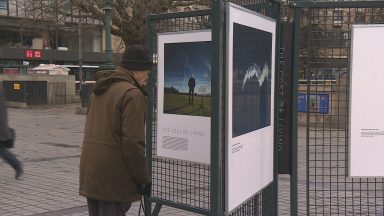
point(318, 103)
point(302, 102)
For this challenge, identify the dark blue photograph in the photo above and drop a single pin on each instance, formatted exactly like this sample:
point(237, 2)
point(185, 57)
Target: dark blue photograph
point(252, 57)
point(187, 78)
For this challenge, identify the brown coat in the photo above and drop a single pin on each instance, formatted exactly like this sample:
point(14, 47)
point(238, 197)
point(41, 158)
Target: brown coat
point(112, 161)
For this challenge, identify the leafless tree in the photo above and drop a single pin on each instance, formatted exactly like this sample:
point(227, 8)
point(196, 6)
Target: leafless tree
point(37, 17)
point(129, 16)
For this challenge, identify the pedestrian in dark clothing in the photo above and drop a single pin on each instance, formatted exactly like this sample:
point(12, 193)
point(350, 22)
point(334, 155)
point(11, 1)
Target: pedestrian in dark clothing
point(191, 85)
point(113, 169)
point(7, 138)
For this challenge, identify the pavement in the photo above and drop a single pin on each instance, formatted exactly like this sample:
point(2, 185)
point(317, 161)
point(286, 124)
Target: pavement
point(48, 140)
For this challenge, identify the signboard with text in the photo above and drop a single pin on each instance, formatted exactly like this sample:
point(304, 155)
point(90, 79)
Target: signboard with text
point(366, 132)
point(318, 103)
point(33, 54)
point(184, 96)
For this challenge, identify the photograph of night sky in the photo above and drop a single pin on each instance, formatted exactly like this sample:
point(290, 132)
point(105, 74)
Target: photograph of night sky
point(187, 78)
point(251, 105)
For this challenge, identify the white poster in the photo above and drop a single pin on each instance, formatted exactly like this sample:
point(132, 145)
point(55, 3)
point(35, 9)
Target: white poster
point(250, 92)
point(184, 96)
point(366, 133)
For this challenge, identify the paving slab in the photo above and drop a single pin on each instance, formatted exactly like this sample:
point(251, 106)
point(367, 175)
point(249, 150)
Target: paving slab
point(48, 143)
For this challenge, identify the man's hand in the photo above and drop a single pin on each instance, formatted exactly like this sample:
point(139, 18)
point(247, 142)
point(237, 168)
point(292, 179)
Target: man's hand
point(144, 189)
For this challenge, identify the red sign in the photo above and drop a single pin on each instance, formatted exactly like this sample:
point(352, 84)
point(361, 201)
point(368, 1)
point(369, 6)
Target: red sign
point(37, 54)
point(33, 54)
point(28, 54)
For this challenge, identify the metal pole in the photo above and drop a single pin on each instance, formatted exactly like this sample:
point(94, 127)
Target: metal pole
point(8, 8)
point(81, 62)
point(217, 152)
point(276, 110)
point(295, 70)
point(17, 8)
point(107, 28)
point(150, 118)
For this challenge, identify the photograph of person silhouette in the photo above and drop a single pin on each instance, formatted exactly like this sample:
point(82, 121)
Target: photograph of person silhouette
point(187, 78)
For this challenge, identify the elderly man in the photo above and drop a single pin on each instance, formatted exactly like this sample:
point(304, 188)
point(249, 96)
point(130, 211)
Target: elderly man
point(113, 169)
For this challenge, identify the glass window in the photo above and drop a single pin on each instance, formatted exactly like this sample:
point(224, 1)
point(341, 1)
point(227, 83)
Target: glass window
point(315, 16)
point(3, 4)
point(338, 15)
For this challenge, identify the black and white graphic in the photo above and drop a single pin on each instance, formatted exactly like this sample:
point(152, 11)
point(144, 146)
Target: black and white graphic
point(250, 103)
point(251, 79)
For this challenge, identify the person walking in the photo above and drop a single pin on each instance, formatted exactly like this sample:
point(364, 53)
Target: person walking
point(7, 136)
point(113, 169)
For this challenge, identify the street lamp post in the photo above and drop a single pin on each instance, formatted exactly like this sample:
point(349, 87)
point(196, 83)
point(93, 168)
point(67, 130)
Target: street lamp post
point(107, 28)
point(80, 51)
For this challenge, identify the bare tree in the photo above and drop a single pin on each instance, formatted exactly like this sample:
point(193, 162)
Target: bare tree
point(43, 10)
point(38, 18)
point(129, 16)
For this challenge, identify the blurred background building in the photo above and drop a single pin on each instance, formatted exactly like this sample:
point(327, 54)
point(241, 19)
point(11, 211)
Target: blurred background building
point(326, 36)
point(34, 32)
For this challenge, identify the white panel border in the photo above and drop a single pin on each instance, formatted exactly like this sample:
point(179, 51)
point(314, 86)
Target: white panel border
point(366, 119)
point(182, 126)
point(250, 170)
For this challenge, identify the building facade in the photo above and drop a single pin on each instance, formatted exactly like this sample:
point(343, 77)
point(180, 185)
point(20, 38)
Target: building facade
point(37, 32)
point(326, 34)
